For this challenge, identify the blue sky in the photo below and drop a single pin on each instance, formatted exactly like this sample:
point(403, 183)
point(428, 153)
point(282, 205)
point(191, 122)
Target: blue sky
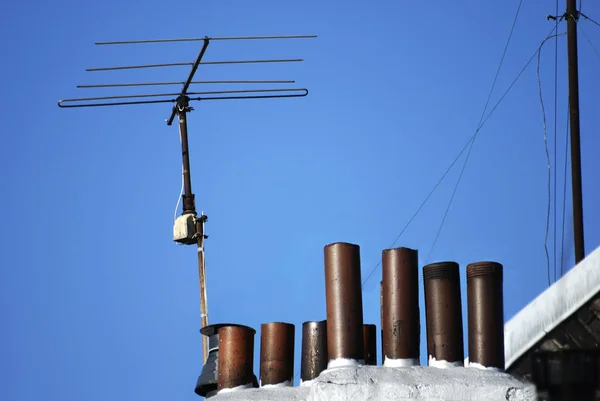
point(98, 303)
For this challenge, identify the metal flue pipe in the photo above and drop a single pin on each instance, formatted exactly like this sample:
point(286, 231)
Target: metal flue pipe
point(370, 344)
point(443, 314)
point(400, 307)
point(314, 351)
point(277, 354)
point(344, 305)
point(236, 358)
point(381, 319)
point(485, 315)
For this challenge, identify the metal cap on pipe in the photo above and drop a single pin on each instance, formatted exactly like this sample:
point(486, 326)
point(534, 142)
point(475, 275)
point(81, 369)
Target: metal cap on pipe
point(485, 306)
point(370, 344)
point(277, 354)
point(400, 307)
point(236, 357)
point(443, 314)
point(314, 350)
point(344, 305)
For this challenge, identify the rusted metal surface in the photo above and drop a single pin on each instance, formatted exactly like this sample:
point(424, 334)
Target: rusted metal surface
point(485, 307)
point(400, 303)
point(370, 344)
point(236, 357)
point(443, 312)
point(381, 319)
point(314, 350)
point(276, 353)
point(344, 302)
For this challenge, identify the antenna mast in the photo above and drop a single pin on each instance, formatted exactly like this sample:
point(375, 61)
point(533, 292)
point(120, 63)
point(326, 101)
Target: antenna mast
point(572, 16)
point(189, 227)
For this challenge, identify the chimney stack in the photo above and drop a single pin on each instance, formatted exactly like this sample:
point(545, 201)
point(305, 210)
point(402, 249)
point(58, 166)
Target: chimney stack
point(370, 344)
point(400, 307)
point(485, 315)
point(344, 305)
point(443, 314)
point(277, 354)
point(236, 358)
point(314, 351)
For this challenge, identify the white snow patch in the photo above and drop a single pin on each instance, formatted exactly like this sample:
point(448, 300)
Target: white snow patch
point(476, 365)
point(233, 389)
point(343, 363)
point(376, 383)
point(552, 307)
point(400, 363)
point(306, 383)
point(442, 364)
point(287, 383)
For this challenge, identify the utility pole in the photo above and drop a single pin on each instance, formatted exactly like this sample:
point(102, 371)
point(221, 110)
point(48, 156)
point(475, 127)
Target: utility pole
point(572, 16)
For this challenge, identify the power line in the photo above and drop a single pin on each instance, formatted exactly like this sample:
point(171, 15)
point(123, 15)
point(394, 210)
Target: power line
point(549, 168)
point(588, 40)
point(588, 18)
point(464, 148)
point(512, 28)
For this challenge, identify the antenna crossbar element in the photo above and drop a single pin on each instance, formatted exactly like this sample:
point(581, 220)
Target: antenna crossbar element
point(132, 42)
point(234, 81)
point(84, 101)
point(132, 67)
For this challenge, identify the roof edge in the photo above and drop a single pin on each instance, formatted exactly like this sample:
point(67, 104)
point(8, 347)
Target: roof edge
point(551, 307)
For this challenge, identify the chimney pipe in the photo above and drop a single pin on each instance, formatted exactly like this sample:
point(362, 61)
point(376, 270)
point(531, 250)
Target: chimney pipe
point(277, 354)
point(206, 386)
point(370, 344)
point(485, 315)
point(381, 320)
point(344, 305)
point(443, 314)
point(400, 307)
point(236, 358)
point(314, 351)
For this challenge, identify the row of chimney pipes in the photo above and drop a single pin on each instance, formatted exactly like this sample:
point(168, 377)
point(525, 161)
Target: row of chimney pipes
point(343, 339)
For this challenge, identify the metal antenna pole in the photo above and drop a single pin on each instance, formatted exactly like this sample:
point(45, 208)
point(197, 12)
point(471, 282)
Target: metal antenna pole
point(572, 16)
point(189, 207)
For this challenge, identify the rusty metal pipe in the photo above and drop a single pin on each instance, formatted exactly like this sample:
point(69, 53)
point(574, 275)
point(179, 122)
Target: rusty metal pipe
point(277, 354)
point(443, 314)
point(485, 315)
point(381, 320)
point(344, 305)
point(370, 344)
point(314, 351)
point(400, 315)
point(236, 358)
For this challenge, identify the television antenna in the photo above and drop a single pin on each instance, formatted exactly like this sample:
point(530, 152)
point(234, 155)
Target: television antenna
point(189, 227)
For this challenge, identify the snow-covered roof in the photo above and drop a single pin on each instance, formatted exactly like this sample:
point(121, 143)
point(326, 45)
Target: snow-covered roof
point(552, 307)
point(377, 383)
